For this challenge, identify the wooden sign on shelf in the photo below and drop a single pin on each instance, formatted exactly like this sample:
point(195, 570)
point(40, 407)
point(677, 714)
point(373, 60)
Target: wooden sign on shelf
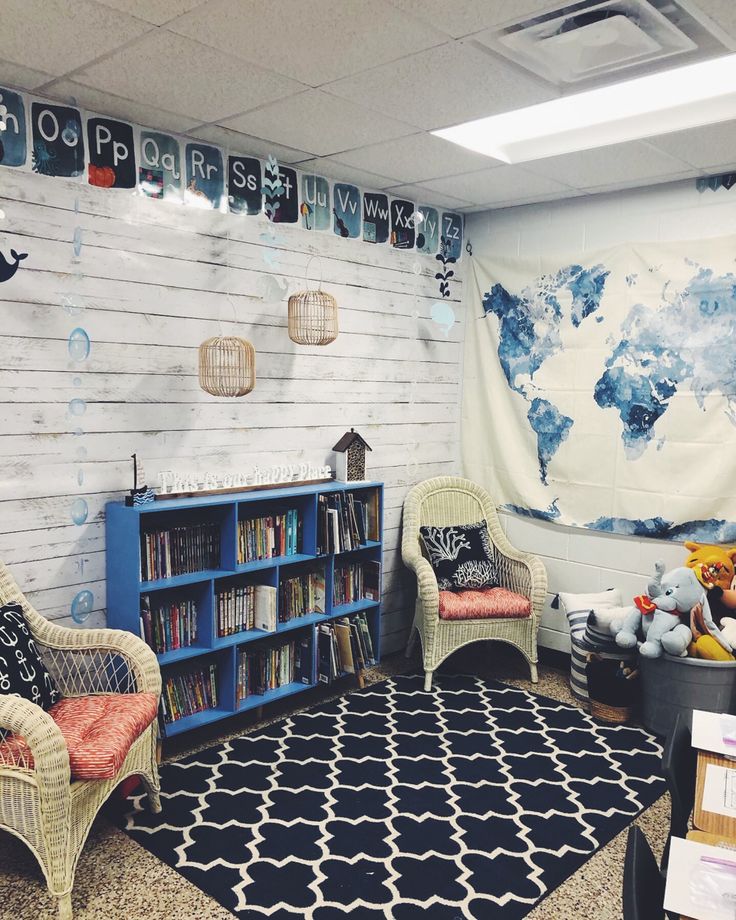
point(162, 496)
point(175, 484)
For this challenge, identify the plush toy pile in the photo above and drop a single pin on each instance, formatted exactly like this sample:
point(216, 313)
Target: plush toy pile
point(685, 611)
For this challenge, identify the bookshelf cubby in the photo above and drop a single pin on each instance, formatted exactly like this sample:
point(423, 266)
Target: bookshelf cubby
point(137, 546)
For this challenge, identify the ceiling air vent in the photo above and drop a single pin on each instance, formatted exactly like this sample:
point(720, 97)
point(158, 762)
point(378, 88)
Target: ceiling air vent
point(590, 39)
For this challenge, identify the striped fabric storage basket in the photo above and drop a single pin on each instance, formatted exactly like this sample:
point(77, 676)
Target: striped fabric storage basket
point(586, 638)
point(578, 659)
point(580, 649)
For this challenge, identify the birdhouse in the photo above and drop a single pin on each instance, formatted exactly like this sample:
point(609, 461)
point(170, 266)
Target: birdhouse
point(350, 457)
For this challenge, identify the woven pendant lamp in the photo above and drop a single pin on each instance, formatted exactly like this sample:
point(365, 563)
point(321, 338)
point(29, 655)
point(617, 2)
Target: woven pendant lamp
point(227, 366)
point(312, 318)
point(312, 315)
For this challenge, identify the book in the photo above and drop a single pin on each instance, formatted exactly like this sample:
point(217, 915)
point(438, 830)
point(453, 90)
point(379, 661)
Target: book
point(372, 518)
point(269, 536)
point(179, 551)
point(344, 645)
point(324, 654)
point(189, 692)
point(265, 608)
point(357, 646)
point(346, 520)
point(167, 625)
point(301, 595)
point(303, 665)
point(360, 516)
point(235, 610)
point(266, 668)
point(372, 581)
point(361, 621)
point(342, 649)
point(355, 582)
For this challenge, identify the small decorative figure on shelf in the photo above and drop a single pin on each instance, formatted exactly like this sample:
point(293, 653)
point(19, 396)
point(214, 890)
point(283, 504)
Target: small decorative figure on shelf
point(350, 457)
point(140, 494)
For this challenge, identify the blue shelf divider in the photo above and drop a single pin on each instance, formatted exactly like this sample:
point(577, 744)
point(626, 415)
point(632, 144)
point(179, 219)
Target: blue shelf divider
point(125, 587)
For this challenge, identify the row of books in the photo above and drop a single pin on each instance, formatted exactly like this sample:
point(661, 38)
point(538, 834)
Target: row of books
point(264, 669)
point(247, 607)
point(269, 536)
point(185, 694)
point(356, 582)
point(344, 647)
point(169, 625)
point(301, 595)
point(236, 609)
point(179, 551)
point(345, 522)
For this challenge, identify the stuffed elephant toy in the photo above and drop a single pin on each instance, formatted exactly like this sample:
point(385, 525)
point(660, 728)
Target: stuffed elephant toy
point(658, 616)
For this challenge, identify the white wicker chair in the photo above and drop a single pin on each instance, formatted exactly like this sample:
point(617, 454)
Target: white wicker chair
point(38, 801)
point(448, 500)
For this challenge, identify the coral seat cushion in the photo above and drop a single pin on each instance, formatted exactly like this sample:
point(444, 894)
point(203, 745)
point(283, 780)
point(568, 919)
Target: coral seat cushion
point(489, 603)
point(98, 731)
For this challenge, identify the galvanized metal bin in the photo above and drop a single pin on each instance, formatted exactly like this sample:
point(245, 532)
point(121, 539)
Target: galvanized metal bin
point(671, 685)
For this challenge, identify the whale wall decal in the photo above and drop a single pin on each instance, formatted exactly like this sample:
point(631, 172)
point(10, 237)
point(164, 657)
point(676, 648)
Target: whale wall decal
point(8, 269)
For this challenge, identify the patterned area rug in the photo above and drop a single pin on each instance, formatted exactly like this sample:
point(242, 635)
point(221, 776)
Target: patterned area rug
point(392, 802)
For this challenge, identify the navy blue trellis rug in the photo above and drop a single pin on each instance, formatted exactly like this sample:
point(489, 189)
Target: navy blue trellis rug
point(471, 801)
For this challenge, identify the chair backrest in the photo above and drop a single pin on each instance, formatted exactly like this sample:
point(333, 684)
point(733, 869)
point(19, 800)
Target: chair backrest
point(443, 501)
point(643, 893)
point(10, 593)
point(679, 766)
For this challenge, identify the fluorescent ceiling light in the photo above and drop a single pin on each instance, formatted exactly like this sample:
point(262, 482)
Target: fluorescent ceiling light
point(672, 100)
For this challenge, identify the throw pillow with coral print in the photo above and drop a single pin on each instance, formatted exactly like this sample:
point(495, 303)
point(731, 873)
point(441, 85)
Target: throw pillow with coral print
point(461, 556)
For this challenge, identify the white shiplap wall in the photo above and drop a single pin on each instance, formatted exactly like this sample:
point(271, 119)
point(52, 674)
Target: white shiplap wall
point(149, 282)
point(582, 560)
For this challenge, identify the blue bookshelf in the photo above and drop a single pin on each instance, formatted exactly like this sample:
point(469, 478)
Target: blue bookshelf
point(126, 528)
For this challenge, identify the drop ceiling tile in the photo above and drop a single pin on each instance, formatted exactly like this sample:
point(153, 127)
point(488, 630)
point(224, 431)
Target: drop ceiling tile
point(518, 202)
point(156, 11)
point(421, 195)
point(458, 19)
point(443, 86)
point(61, 35)
point(314, 41)
point(318, 122)
point(17, 76)
point(183, 76)
point(706, 147)
point(325, 166)
point(722, 12)
point(415, 158)
point(629, 162)
point(500, 183)
point(608, 188)
point(236, 142)
point(106, 104)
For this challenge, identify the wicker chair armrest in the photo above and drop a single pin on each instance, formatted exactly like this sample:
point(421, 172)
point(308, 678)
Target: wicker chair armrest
point(427, 588)
point(105, 650)
point(525, 574)
point(42, 735)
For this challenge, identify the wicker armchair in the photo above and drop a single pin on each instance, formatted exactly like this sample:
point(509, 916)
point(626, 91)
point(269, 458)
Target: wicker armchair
point(448, 500)
point(38, 801)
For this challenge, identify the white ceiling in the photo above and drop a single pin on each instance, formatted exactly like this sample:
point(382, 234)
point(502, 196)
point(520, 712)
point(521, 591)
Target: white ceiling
point(348, 88)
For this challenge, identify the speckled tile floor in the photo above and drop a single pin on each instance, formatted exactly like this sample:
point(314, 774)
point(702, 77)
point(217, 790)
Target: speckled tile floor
point(119, 880)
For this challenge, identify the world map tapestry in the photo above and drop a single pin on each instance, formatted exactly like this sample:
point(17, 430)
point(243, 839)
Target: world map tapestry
point(600, 392)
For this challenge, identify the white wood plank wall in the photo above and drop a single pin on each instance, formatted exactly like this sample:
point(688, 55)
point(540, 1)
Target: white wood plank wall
point(149, 281)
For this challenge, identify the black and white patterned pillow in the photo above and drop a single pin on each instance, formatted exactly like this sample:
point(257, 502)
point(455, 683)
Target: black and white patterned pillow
point(461, 556)
point(22, 672)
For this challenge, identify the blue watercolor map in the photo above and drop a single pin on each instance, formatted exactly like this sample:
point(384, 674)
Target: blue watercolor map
point(530, 332)
point(683, 341)
point(688, 339)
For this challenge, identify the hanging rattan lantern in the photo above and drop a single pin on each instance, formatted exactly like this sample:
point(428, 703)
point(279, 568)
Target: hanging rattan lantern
point(312, 318)
point(227, 366)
